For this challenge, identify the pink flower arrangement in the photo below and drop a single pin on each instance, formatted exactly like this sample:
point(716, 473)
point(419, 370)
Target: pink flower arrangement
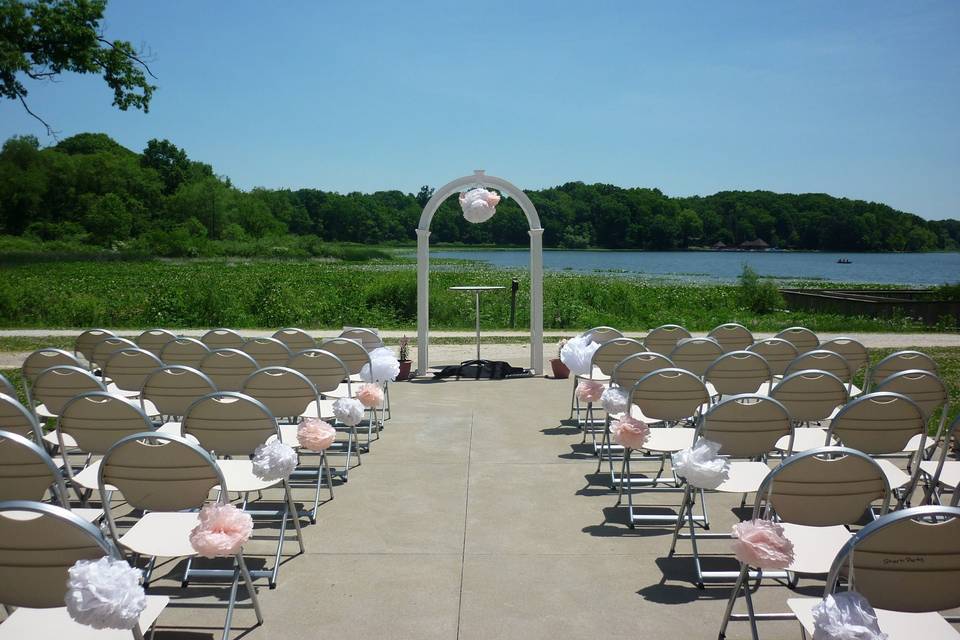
point(762, 544)
point(315, 434)
point(589, 390)
point(630, 432)
point(222, 531)
point(370, 395)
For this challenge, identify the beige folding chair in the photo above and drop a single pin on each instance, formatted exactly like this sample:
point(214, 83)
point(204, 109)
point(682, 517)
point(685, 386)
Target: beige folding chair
point(268, 352)
point(154, 340)
point(600, 335)
point(927, 390)
point(855, 353)
point(41, 360)
point(350, 352)
point(39, 543)
point(54, 387)
point(228, 368)
point(901, 361)
point(170, 390)
point(943, 474)
point(823, 360)
point(696, 354)
point(295, 339)
point(737, 372)
point(367, 337)
point(671, 397)
point(810, 396)
point(18, 419)
point(747, 427)
point(186, 352)
point(166, 477)
point(664, 338)
point(233, 424)
point(107, 347)
point(814, 496)
point(881, 424)
point(732, 336)
point(907, 566)
point(801, 338)
point(128, 369)
point(605, 359)
point(222, 339)
point(776, 351)
point(83, 346)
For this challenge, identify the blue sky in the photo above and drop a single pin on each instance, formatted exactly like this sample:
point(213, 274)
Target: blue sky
point(856, 99)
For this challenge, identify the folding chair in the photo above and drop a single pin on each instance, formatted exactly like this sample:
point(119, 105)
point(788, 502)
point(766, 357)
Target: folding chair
point(605, 359)
point(855, 353)
point(943, 474)
point(737, 372)
point(823, 360)
point(41, 360)
point(732, 336)
point(154, 340)
point(228, 368)
point(295, 339)
point(165, 478)
point(747, 427)
point(169, 391)
point(233, 424)
point(600, 335)
point(664, 338)
point(268, 352)
point(107, 347)
point(810, 396)
point(83, 346)
point(18, 419)
point(222, 339)
point(185, 352)
point(907, 566)
point(696, 354)
point(54, 387)
point(776, 351)
point(128, 369)
point(927, 390)
point(901, 361)
point(39, 543)
point(814, 496)
point(801, 338)
point(366, 337)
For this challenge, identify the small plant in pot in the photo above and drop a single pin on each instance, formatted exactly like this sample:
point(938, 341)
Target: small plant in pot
point(404, 358)
point(560, 370)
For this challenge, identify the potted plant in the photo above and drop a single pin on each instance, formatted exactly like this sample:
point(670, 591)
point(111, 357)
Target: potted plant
point(404, 358)
point(560, 370)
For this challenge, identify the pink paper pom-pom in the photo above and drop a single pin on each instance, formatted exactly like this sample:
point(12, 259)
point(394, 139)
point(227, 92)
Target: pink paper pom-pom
point(589, 390)
point(630, 432)
point(370, 395)
point(762, 544)
point(222, 531)
point(315, 434)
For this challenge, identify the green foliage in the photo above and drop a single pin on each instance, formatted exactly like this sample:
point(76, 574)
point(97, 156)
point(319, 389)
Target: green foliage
point(947, 292)
point(756, 294)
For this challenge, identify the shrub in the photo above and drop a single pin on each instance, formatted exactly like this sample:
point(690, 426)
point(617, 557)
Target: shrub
point(760, 296)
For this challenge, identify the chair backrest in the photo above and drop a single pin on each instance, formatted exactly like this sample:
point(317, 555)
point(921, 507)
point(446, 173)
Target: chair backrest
point(229, 423)
point(268, 352)
point(610, 353)
point(173, 388)
point(811, 395)
point(367, 337)
point(901, 361)
point(732, 336)
point(602, 334)
point(800, 337)
point(96, 420)
point(222, 339)
point(187, 352)
point(746, 425)
point(953, 432)
point(696, 354)
point(43, 359)
point(285, 392)
point(57, 385)
point(159, 472)
point(38, 545)
point(107, 347)
point(154, 340)
point(878, 423)
point(85, 342)
point(923, 387)
point(295, 339)
point(26, 471)
point(851, 349)
point(738, 372)
point(634, 367)
point(908, 560)
point(6, 387)
point(822, 360)
point(664, 338)
point(228, 368)
point(350, 352)
point(824, 487)
point(669, 395)
point(18, 419)
point(324, 369)
point(776, 351)
point(129, 368)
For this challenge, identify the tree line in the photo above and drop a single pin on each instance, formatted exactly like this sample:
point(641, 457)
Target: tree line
point(88, 190)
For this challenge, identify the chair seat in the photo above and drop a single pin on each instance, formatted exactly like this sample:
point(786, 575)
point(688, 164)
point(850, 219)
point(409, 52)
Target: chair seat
point(57, 623)
point(949, 477)
point(170, 428)
point(90, 515)
point(42, 411)
point(896, 476)
point(324, 411)
point(598, 376)
point(240, 477)
point(161, 534)
point(804, 439)
point(745, 477)
point(68, 441)
point(914, 444)
point(148, 407)
point(342, 391)
point(896, 624)
point(113, 389)
point(814, 548)
point(669, 440)
point(87, 477)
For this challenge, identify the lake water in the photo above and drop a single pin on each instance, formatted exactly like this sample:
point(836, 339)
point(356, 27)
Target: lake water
point(917, 269)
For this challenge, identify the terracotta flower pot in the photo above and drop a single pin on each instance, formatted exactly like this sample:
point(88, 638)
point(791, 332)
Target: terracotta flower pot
point(560, 370)
point(404, 370)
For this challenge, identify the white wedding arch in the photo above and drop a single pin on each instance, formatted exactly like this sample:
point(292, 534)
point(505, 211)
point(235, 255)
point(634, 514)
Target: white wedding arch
point(479, 179)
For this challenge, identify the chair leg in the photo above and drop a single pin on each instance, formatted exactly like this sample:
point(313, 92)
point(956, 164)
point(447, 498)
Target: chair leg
point(741, 579)
point(680, 518)
point(292, 511)
point(326, 466)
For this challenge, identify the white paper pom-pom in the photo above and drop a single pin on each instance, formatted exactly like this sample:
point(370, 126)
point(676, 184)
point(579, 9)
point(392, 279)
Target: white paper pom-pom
point(700, 465)
point(845, 616)
point(105, 594)
point(349, 411)
point(615, 400)
point(577, 354)
point(274, 461)
point(383, 367)
point(479, 205)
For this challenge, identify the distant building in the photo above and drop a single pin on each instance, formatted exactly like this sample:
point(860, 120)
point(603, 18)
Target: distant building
point(719, 246)
point(754, 245)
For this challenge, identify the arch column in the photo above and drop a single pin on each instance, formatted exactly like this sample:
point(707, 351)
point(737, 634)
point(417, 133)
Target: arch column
point(423, 300)
point(536, 300)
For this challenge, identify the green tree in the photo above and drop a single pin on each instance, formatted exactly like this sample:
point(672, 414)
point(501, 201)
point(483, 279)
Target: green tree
point(108, 220)
point(169, 161)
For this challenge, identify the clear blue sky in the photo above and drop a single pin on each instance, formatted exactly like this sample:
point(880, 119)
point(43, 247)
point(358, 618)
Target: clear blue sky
point(856, 99)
